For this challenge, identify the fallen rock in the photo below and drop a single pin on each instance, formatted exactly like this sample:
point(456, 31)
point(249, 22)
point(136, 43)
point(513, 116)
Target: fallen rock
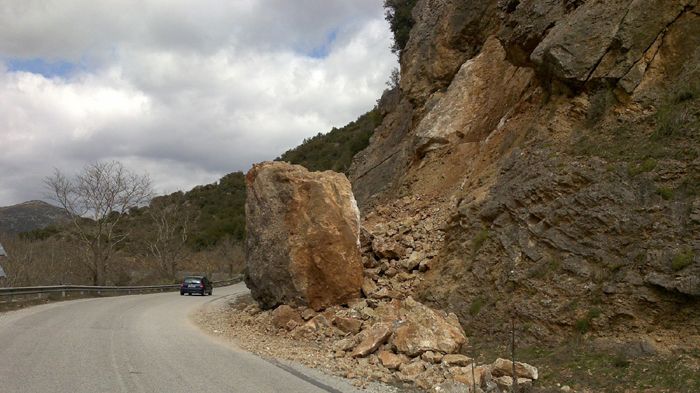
point(456, 360)
point(424, 266)
point(308, 314)
point(369, 287)
point(424, 329)
point(452, 387)
point(430, 377)
point(382, 293)
point(348, 325)
point(371, 339)
point(412, 261)
point(470, 377)
point(358, 304)
point(503, 367)
point(302, 243)
point(388, 312)
point(410, 371)
point(345, 344)
point(291, 325)
point(318, 322)
point(283, 315)
point(505, 383)
point(431, 357)
point(389, 249)
point(391, 360)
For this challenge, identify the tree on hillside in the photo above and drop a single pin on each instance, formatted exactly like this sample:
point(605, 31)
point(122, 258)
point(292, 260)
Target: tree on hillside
point(97, 198)
point(173, 224)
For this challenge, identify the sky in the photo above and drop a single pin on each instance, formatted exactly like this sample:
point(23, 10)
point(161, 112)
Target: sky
point(184, 90)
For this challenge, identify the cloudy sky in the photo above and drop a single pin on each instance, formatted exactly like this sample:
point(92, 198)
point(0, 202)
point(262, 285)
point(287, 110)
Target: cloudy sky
point(186, 90)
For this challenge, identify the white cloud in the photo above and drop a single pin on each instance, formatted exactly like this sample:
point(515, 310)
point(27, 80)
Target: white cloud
point(188, 91)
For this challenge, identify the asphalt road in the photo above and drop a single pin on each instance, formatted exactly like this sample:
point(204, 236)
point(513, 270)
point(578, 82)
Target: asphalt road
point(139, 343)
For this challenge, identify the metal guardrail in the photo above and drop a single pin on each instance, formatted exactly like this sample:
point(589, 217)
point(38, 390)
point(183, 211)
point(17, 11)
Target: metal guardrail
point(8, 295)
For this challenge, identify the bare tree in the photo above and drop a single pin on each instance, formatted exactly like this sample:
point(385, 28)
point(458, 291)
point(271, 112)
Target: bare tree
point(97, 198)
point(168, 243)
point(49, 261)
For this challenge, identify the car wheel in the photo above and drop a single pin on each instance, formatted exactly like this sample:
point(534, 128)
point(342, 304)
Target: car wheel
point(182, 293)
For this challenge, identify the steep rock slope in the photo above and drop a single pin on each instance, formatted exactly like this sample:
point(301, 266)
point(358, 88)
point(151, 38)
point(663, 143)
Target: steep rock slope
point(559, 141)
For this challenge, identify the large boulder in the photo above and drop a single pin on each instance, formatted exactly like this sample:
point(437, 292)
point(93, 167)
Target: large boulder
point(302, 245)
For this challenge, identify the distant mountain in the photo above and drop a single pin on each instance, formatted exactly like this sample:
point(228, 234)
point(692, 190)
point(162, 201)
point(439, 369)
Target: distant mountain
point(29, 216)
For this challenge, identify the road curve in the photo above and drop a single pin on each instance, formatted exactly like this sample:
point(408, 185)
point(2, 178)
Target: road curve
point(139, 343)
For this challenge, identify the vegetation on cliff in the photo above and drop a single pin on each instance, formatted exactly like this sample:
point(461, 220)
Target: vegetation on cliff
point(399, 15)
point(334, 150)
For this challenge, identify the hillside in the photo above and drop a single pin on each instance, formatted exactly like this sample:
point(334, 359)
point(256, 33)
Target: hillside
point(30, 216)
point(543, 157)
point(335, 149)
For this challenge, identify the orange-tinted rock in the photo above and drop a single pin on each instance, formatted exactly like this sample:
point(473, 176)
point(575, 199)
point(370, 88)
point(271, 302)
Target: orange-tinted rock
point(391, 360)
point(424, 329)
point(372, 338)
point(283, 315)
point(455, 359)
point(348, 325)
point(302, 245)
point(502, 367)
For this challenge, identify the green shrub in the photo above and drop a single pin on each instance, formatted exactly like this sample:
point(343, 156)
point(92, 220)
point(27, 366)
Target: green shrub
point(647, 165)
point(334, 150)
point(479, 240)
point(620, 361)
point(399, 15)
point(476, 305)
point(593, 313)
point(665, 193)
point(678, 116)
point(682, 260)
point(583, 325)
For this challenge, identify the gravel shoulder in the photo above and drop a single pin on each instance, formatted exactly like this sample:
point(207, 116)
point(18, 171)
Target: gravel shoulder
point(225, 322)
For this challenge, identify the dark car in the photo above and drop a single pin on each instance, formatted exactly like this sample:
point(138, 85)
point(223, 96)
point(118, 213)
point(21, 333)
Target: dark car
point(196, 284)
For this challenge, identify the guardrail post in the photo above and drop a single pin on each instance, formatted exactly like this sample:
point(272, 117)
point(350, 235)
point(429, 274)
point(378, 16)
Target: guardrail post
point(63, 293)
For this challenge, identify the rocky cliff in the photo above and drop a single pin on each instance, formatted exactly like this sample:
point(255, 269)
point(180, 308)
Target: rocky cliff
point(552, 149)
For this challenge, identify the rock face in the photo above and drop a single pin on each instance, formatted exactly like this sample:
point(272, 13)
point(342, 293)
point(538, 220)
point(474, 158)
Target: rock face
point(481, 94)
point(446, 33)
point(302, 245)
point(593, 40)
point(557, 144)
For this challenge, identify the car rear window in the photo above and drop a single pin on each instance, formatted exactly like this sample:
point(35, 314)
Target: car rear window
point(193, 280)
